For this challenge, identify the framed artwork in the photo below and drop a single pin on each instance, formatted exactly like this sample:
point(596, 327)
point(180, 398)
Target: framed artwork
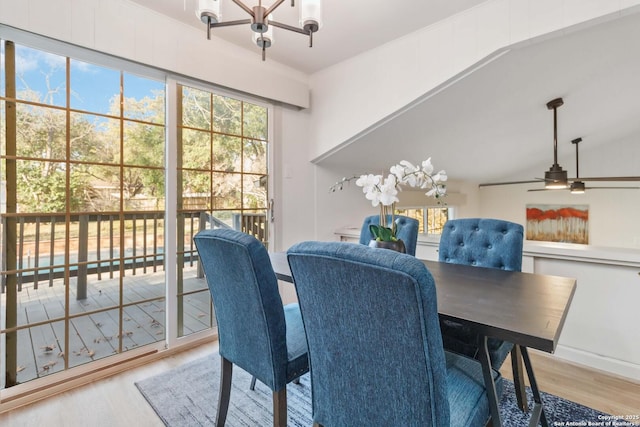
point(558, 223)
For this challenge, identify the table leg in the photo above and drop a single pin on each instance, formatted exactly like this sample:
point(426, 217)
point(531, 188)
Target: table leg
point(518, 378)
point(538, 409)
point(488, 381)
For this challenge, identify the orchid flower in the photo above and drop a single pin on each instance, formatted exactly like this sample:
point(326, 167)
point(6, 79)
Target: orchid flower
point(383, 191)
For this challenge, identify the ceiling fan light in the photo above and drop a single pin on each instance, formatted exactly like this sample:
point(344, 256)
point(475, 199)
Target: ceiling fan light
point(556, 178)
point(577, 187)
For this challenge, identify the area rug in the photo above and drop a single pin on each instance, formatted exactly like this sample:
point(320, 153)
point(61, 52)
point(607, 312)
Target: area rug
point(188, 396)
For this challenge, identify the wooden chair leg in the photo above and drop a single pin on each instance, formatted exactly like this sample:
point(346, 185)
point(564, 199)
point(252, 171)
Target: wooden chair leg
point(253, 384)
point(226, 371)
point(280, 408)
point(518, 378)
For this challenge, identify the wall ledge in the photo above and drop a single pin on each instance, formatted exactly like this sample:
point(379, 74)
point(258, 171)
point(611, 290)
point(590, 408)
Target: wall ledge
point(565, 251)
point(584, 253)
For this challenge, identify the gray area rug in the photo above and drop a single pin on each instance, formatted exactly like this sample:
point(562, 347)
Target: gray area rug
point(188, 396)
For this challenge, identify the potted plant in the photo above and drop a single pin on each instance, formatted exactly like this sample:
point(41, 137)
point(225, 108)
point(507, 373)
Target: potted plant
point(383, 192)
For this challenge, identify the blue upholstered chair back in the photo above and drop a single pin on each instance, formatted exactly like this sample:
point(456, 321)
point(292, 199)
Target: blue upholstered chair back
point(375, 350)
point(482, 242)
point(248, 308)
point(406, 230)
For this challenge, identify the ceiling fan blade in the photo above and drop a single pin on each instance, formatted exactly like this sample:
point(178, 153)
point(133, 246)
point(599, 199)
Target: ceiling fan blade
point(490, 184)
point(612, 188)
point(586, 188)
point(611, 178)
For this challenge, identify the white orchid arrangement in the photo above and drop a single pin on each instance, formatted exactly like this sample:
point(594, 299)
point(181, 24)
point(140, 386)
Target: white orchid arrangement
point(383, 191)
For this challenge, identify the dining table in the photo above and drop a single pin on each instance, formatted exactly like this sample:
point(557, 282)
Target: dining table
point(526, 309)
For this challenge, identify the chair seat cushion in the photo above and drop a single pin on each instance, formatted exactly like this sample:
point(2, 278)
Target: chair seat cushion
point(468, 402)
point(296, 342)
point(459, 338)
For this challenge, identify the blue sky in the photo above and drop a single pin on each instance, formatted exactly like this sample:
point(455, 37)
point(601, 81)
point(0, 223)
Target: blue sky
point(92, 86)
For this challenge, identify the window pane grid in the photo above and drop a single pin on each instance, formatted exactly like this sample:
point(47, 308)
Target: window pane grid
point(222, 170)
point(83, 255)
point(431, 220)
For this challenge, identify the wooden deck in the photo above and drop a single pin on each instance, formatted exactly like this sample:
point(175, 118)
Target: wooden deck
point(95, 334)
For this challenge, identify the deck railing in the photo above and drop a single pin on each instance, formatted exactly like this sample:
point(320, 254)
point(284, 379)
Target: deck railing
point(95, 240)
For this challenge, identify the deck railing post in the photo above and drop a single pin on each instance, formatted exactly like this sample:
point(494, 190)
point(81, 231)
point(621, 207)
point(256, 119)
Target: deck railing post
point(3, 254)
point(83, 249)
point(202, 224)
point(9, 232)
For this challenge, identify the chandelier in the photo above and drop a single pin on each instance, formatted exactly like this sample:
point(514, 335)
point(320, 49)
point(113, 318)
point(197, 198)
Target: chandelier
point(261, 20)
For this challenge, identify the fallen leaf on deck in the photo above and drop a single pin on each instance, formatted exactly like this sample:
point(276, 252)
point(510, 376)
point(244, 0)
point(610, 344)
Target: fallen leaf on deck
point(48, 365)
point(48, 348)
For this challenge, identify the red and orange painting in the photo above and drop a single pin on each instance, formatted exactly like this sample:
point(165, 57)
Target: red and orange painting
point(558, 223)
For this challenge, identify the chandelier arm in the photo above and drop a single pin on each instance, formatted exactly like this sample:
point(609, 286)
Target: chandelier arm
point(229, 23)
point(288, 27)
point(273, 7)
point(244, 7)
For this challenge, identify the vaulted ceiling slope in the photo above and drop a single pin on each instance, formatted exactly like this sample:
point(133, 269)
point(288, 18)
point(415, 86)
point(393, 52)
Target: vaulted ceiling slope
point(494, 124)
point(350, 26)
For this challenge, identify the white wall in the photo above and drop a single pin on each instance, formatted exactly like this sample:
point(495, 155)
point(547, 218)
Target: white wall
point(294, 179)
point(612, 213)
point(369, 87)
point(351, 96)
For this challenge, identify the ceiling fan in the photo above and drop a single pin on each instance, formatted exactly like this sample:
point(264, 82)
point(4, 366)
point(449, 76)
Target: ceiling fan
point(577, 185)
point(556, 178)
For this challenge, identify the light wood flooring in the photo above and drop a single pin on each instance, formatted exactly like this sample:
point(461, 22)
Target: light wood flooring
point(115, 401)
point(596, 389)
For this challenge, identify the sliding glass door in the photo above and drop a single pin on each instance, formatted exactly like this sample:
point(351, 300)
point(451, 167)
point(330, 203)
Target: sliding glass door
point(102, 193)
point(222, 156)
point(82, 218)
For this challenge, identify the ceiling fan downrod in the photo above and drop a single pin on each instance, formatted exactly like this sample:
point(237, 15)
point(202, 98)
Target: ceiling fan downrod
point(555, 177)
point(577, 187)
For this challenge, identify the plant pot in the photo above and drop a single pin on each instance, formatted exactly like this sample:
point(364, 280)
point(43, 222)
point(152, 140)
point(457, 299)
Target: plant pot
point(397, 246)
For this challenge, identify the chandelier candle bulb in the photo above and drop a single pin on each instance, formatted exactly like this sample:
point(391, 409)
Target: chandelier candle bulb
point(209, 11)
point(311, 15)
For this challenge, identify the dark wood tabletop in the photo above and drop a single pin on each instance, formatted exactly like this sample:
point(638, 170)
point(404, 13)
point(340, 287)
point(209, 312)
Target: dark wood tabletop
point(523, 308)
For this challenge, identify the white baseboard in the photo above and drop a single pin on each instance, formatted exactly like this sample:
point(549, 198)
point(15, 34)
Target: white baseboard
point(603, 363)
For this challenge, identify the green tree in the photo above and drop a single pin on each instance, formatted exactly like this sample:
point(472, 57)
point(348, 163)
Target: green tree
point(42, 141)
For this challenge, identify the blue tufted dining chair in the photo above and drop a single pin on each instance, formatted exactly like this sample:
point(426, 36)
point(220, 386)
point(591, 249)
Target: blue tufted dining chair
point(406, 230)
point(375, 350)
point(255, 331)
point(480, 242)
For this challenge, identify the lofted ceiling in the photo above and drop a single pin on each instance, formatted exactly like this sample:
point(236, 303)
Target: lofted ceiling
point(493, 124)
point(490, 125)
point(350, 26)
